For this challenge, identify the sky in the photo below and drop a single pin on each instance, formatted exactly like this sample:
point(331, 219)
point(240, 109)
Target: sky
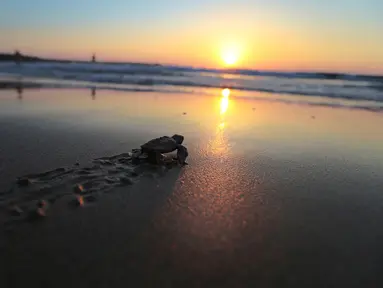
point(305, 35)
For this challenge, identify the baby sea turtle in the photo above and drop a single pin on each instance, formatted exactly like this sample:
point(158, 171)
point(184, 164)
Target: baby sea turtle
point(165, 144)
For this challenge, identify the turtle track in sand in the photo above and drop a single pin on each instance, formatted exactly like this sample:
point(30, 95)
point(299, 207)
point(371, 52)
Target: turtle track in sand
point(88, 182)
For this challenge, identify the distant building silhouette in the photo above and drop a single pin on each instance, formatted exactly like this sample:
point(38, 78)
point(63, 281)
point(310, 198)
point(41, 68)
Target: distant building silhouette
point(94, 58)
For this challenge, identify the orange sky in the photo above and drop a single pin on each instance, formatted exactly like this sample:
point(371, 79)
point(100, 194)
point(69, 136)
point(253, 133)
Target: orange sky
point(263, 37)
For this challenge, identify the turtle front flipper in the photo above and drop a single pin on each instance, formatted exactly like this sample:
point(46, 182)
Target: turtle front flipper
point(182, 154)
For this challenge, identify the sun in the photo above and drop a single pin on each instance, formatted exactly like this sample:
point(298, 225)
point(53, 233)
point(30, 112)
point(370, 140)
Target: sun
point(230, 55)
point(230, 58)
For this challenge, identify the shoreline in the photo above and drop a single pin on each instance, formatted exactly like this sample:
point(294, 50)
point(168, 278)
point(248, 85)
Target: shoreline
point(43, 83)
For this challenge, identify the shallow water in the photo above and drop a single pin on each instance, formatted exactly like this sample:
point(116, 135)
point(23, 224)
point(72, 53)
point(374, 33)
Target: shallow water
point(276, 195)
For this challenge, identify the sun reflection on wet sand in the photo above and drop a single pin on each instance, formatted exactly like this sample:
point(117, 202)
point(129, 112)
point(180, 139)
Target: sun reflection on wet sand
point(219, 144)
point(225, 100)
point(224, 106)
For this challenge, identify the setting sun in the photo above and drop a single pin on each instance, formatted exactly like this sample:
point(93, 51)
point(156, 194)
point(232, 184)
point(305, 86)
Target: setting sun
point(230, 58)
point(230, 55)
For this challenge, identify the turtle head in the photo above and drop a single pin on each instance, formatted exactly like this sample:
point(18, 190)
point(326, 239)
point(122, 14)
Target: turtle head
point(182, 154)
point(178, 138)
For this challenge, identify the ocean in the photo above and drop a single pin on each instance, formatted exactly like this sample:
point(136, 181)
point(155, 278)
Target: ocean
point(323, 89)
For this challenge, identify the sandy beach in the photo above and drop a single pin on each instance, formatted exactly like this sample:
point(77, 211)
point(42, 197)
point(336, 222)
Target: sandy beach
point(275, 194)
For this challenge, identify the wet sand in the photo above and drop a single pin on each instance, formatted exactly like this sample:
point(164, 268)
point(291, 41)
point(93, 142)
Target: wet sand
point(275, 195)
